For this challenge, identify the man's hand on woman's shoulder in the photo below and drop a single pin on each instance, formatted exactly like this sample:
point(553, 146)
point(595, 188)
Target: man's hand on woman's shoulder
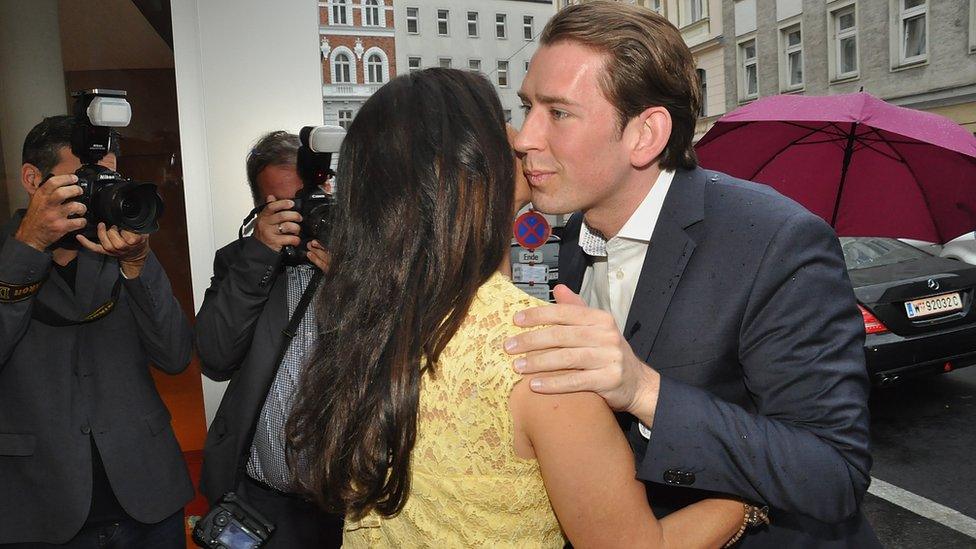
point(588, 352)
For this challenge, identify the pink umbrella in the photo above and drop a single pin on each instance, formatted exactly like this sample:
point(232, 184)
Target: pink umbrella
point(867, 167)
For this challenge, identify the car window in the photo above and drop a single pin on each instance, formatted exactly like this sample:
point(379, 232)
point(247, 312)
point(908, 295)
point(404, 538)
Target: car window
point(862, 253)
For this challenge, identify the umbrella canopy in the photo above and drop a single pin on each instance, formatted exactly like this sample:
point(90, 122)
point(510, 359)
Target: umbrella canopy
point(867, 167)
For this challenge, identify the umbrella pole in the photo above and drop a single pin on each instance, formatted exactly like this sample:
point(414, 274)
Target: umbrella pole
point(848, 153)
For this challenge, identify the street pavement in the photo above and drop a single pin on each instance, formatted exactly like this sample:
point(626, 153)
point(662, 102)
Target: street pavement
point(924, 446)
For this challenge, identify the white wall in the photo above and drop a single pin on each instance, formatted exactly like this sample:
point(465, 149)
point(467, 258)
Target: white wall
point(243, 67)
point(31, 80)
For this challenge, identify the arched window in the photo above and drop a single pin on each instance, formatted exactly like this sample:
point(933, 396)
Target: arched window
point(339, 12)
point(374, 69)
point(371, 12)
point(342, 66)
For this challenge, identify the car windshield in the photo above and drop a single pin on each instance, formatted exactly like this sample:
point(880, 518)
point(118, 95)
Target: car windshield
point(863, 253)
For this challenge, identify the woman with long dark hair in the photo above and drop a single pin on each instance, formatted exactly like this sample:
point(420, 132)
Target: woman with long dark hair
point(410, 419)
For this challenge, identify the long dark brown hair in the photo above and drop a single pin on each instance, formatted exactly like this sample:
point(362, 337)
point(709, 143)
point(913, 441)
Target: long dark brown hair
point(423, 216)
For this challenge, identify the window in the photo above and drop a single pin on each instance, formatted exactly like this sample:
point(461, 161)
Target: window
point(695, 10)
point(339, 12)
point(413, 64)
point(502, 74)
point(526, 67)
point(374, 69)
point(472, 24)
point(508, 115)
point(527, 28)
point(656, 6)
point(371, 13)
point(341, 64)
point(972, 26)
point(749, 70)
point(791, 62)
point(912, 28)
point(702, 87)
point(413, 21)
point(444, 62)
point(345, 119)
point(844, 43)
point(501, 20)
point(442, 22)
point(474, 65)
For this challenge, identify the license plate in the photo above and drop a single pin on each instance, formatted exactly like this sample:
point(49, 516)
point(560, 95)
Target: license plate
point(944, 303)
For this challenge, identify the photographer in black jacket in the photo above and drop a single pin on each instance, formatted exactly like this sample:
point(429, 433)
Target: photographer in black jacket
point(87, 453)
point(238, 335)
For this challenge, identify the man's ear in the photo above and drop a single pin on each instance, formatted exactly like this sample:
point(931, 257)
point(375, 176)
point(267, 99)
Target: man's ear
point(30, 178)
point(653, 130)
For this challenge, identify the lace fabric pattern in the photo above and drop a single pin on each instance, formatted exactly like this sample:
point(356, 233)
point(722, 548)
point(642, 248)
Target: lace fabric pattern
point(468, 487)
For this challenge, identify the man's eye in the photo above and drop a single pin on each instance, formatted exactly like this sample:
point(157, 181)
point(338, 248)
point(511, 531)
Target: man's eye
point(558, 114)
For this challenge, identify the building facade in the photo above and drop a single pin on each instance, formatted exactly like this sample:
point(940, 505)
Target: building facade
point(357, 41)
point(914, 53)
point(494, 37)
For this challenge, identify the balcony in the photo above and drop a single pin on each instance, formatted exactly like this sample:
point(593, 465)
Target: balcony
point(349, 90)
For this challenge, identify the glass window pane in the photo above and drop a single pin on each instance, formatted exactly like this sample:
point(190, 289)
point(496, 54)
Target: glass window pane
point(750, 50)
point(848, 55)
point(915, 36)
point(909, 4)
point(445, 62)
point(752, 80)
point(846, 20)
point(796, 69)
point(793, 38)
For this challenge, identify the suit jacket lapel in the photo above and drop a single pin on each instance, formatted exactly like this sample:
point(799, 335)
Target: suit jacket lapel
point(90, 270)
point(278, 308)
point(670, 249)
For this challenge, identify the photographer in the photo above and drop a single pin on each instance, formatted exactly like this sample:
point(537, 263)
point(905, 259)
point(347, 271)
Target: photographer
point(239, 327)
point(86, 448)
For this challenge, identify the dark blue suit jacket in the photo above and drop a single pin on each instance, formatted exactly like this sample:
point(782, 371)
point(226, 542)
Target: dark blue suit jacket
point(745, 308)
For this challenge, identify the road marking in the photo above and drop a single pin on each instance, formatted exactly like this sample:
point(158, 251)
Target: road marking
point(924, 507)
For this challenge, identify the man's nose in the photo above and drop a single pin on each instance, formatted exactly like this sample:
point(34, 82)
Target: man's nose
point(529, 137)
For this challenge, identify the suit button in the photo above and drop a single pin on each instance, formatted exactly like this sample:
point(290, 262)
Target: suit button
point(671, 476)
point(86, 429)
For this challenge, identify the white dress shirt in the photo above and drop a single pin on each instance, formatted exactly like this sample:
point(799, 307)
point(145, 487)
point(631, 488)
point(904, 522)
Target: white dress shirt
point(611, 278)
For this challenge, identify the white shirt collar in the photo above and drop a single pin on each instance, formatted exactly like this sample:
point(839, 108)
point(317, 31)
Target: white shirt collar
point(641, 224)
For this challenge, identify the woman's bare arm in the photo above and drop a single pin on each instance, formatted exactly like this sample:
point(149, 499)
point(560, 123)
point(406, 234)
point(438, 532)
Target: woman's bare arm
point(589, 473)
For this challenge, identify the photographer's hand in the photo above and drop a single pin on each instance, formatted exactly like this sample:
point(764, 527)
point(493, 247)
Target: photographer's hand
point(317, 255)
point(131, 249)
point(276, 225)
point(48, 216)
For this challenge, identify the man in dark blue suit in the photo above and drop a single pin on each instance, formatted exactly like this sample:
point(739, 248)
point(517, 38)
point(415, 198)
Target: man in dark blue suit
point(716, 313)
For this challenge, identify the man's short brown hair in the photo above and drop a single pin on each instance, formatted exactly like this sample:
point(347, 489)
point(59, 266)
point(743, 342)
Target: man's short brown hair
point(648, 65)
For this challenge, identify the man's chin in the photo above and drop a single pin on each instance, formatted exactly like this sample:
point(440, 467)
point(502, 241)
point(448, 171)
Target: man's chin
point(547, 205)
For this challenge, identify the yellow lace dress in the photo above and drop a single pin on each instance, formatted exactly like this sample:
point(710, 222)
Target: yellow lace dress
point(468, 488)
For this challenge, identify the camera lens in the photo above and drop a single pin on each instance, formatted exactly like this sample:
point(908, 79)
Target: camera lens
point(132, 206)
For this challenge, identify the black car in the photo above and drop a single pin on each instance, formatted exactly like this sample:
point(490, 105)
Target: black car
point(918, 308)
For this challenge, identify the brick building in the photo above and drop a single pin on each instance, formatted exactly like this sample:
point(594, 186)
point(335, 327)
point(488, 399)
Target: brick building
point(358, 54)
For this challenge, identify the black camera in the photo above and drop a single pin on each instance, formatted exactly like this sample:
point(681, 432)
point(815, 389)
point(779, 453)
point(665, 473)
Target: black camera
point(110, 198)
point(232, 524)
point(314, 200)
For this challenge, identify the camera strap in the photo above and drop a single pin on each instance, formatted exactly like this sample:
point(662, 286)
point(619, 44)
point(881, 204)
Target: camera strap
point(250, 217)
point(44, 314)
point(289, 333)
